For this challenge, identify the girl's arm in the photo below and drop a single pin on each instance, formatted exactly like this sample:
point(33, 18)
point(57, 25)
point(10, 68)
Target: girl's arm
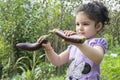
point(95, 53)
point(53, 57)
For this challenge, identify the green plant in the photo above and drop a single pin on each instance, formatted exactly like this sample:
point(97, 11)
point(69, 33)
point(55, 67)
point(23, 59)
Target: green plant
point(110, 68)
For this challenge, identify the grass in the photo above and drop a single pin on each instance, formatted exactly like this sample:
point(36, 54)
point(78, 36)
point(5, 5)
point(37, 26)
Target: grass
point(57, 78)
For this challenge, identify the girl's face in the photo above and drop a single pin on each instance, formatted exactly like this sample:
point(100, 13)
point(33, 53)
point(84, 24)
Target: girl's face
point(86, 26)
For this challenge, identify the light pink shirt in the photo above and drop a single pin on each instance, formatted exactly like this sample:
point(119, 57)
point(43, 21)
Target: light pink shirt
point(78, 61)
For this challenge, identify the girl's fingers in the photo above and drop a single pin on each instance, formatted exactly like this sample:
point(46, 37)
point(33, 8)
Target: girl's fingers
point(68, 32)
point(40, 39)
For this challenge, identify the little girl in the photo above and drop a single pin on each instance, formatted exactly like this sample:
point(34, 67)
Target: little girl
point(84, 58)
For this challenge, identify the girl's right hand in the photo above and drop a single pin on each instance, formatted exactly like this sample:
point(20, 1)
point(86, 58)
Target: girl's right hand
point(46, 45)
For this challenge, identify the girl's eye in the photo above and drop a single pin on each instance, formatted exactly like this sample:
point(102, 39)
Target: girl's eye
point(77, 24)
point(85, 24)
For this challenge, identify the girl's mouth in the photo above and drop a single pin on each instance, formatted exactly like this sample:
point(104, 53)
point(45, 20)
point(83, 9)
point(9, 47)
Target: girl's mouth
point(81, 33)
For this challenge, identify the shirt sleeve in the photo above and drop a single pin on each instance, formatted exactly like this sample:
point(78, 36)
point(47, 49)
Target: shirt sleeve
point(99, 42)
point(68, 48)
point(71, 49)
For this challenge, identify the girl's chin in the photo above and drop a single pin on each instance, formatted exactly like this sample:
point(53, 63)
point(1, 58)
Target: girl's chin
point(90, 37)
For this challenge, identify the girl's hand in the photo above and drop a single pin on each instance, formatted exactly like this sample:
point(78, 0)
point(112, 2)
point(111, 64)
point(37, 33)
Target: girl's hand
point(41, 38)
point(74, 36)
point(69, 33)
point(46, 45)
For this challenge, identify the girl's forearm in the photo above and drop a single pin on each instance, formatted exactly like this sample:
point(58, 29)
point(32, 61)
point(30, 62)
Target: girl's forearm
point(52, 56)
point(94, 54)
point(56, 59)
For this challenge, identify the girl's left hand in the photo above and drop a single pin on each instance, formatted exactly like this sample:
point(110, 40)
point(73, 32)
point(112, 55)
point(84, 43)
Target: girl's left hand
point(69, 32)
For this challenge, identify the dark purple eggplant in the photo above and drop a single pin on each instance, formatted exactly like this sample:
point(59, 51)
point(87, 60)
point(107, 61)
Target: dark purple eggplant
point(75, 38)
point(28, 46)
point(31, 46)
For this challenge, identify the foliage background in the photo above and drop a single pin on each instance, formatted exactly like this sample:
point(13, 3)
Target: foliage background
point(27, 20)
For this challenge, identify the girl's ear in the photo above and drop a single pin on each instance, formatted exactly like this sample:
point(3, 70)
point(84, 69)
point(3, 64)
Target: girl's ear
point(99, 26)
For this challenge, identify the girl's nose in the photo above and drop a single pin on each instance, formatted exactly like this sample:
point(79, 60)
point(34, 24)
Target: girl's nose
point(80, 28)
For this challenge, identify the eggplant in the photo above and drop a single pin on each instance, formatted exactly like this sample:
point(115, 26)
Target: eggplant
point(75, 38)
point(32, 46)
point(28, 46)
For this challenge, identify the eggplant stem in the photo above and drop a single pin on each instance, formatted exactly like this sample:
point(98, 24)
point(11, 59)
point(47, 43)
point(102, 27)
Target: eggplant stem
point(53, 30)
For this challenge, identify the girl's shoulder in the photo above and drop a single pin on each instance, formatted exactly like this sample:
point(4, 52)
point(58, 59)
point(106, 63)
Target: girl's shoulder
point(92, 42)
point(97, 41)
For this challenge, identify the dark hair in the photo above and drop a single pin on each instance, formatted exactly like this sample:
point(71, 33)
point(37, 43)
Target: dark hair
point(96, 11)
